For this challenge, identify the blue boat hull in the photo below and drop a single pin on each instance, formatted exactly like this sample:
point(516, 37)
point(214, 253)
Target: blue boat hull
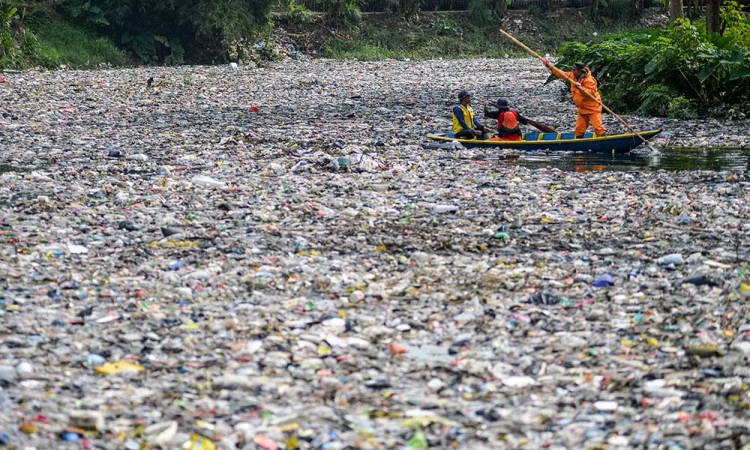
point(619, 143)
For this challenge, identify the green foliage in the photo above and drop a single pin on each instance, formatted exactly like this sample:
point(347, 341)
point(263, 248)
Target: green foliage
point(176, 50)
point(8, 48)
point(643, 70)
point(343, 14)
point(681, 108)
point(226, 20)
point(293, 11)
point(481, 13)
point(18, 46)
point(34, 39)
point(170, 31)
point(617, 10)
point(535, 10)
point(655, 100)
point(446, 27)
point(60, 43)
point(445, 36)
point(736, 23)
point(85, 11)
point(8, 45)
point(7, 13)
point(341, 49)
point(408, 8)
point(266, 52)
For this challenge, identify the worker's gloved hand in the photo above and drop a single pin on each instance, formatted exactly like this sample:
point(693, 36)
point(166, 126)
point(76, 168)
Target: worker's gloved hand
point(578, 85)
point(546, 63)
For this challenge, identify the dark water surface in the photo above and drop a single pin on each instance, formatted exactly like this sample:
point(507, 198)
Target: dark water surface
point(682, 158)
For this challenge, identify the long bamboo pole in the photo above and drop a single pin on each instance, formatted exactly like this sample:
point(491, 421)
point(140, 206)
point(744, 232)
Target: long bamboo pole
point(560, 74)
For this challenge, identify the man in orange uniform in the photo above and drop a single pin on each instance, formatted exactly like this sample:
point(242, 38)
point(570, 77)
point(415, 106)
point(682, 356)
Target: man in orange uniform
point(589, 111)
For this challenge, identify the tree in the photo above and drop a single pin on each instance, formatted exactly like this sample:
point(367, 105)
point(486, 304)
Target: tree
point(169, 31)
point(675, 9)
point(343, 13)
point(636, 7)
point(501, 8)
point(409, 8)
point(8, 45)
point(713, 17)
point(595, 9)
point(482, 12)
point(694, 9)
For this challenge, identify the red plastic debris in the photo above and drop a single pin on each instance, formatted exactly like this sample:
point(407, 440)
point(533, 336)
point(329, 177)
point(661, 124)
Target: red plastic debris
point(397, 349)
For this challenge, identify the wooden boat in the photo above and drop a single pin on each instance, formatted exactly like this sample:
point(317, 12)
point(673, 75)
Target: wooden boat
point(619, 143)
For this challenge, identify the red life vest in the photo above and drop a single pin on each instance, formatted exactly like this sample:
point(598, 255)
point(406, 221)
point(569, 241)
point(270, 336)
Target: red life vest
point(507, 125)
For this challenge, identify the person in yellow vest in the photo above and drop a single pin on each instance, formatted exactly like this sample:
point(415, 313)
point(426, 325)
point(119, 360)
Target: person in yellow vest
point(589, 111)
point(465, 123)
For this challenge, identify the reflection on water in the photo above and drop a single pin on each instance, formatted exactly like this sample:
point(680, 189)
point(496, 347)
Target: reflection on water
point(734, 159)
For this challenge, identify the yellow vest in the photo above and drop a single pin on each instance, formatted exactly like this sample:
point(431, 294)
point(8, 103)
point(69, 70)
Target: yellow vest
point(468, 118)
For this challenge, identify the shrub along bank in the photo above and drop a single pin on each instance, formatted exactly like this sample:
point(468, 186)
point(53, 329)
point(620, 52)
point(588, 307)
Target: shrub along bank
point(679, 72)
point(85, 33)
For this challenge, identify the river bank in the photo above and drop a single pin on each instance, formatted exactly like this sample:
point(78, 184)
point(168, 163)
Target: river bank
point(283, 266)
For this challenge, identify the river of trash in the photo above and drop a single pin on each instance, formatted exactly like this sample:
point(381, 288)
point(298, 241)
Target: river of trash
point(267, 258)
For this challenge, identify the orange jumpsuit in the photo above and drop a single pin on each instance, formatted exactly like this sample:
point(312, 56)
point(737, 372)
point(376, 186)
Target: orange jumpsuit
point(589, 111)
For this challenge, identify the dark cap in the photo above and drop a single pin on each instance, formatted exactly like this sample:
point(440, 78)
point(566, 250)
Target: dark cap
point(502, 104)
point(463, 94)
point(579, 66)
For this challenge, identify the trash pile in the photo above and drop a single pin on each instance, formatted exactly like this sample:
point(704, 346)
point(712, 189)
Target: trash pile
point(266, 258)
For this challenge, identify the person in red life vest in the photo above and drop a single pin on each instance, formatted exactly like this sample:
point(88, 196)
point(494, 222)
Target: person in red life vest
point(507, 122)
point(465, 123)
point(589, 110)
